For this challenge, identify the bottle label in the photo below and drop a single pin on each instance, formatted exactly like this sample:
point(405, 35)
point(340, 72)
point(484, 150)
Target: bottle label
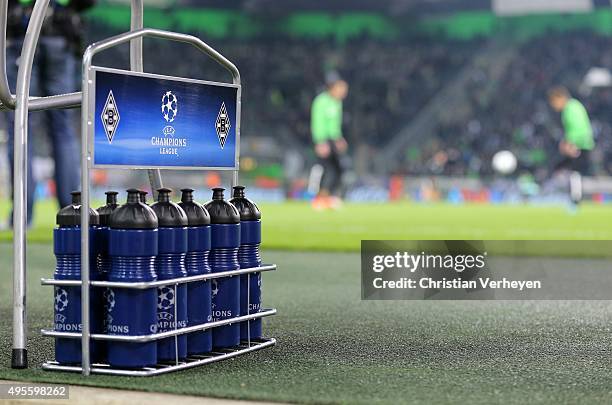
point(166, 306)
point(119, 317)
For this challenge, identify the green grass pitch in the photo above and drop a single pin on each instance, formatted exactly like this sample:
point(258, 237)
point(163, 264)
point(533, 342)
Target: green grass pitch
point(295, 226)
point(335, 348)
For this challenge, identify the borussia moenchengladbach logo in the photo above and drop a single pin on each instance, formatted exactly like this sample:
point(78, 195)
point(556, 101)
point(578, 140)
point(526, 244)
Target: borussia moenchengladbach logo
point(110, 117)
point(222, 125)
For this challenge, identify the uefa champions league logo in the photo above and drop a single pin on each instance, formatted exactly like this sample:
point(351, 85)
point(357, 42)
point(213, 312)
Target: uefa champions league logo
point(215, 287)
point(169, 144)
point(61, 299)
point(215, 291)
point(169, 106)
point(109, 299)
point(168, 131)
point(165, 298)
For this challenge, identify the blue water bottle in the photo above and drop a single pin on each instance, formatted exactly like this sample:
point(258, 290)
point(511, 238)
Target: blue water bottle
point(170, 263)
point(103, 259)
point(132, 248)
point(248, 256)
point(225, 234)
point(196, 262)
point(67, 303)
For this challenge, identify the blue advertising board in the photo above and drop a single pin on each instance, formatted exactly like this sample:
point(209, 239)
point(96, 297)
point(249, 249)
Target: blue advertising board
point(151, 121)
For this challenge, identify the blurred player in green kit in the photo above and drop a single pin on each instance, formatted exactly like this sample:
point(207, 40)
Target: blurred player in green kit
point(329, 144)
point(578, 140)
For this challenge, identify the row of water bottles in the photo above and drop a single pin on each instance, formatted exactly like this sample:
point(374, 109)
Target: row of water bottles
point(135, 242)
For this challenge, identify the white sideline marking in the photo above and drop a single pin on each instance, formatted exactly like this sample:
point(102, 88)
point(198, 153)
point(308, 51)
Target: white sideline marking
point(109, 396)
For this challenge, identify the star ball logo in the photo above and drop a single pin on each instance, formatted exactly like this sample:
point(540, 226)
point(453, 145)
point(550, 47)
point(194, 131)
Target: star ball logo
point(109, 299)
point(169, 144)
point(214, 291)
point(165, 298)
point(169, 106)
point(61, 299)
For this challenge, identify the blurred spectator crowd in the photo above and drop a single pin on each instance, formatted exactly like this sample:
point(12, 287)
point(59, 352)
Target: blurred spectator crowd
point(390, 82)
point(516, 115)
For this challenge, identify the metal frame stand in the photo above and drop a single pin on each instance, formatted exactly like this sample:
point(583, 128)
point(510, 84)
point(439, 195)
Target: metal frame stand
point(22, 103)
point(246, 346)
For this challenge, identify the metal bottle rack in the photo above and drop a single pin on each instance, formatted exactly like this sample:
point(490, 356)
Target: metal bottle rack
point(22, 103)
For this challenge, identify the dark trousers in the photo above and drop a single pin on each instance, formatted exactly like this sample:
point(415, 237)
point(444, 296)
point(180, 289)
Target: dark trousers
point(579, 166)
point(332, 172)
point(54, 72)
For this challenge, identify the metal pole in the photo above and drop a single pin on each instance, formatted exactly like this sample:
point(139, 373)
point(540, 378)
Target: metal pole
point(235, 173)
point(20, 175)
point(111, 42)
point(6, 97)
point(248, 308)
point(68, 100)
point(176, 353)
point(137, 65)
point(136, 23)
point(86, 124)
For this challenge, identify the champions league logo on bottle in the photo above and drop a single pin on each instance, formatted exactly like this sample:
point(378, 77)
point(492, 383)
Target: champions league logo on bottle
point(216, 313)
point(165, 298)
point(169, 145)
point(165, 305)
point(61, 303)
point(109, 300)
point(61, 299)
point(214, 291)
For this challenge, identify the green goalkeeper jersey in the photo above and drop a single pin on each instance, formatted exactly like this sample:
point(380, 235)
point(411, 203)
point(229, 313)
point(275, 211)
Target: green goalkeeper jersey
point(326, 118)
point(577, 125)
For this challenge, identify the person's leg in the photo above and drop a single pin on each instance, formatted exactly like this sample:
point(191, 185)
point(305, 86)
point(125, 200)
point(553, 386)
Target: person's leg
point(328, 178)
point(321, 201)
point(12, 55)
point(575, 187)
point(565, 163)
point(336, 180)
point(581, 166)
point(59, 76)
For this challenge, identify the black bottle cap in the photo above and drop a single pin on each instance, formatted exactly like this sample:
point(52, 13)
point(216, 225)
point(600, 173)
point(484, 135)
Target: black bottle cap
point(111, 198)
point(248, 209)
point(143, 196)
point(70, 215)
point(221, 211)
point(133, 214)
point(106, 210)
point(196, 213)
point(169, 214)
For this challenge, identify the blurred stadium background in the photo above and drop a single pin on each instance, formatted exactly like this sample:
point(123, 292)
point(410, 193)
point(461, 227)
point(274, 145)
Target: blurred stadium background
point(436, 88)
